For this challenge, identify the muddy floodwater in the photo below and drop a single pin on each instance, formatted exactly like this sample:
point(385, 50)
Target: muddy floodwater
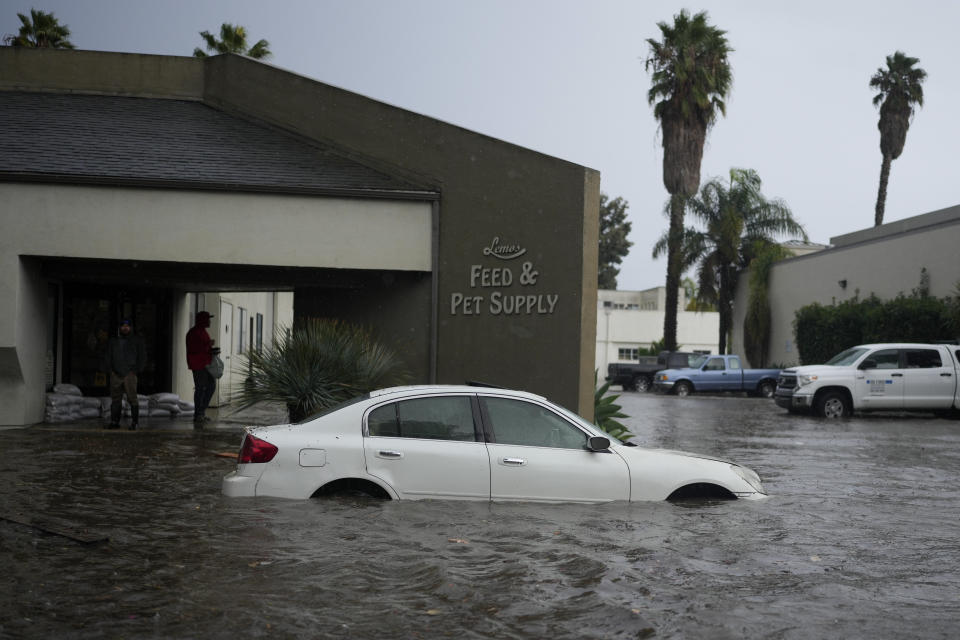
point(858, 539)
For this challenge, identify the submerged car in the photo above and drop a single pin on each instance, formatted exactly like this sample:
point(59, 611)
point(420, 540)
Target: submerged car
point(464, 442)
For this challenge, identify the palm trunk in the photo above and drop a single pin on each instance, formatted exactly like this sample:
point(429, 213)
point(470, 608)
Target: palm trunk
point(674, 248)
point(723, 309)
point(882, 191)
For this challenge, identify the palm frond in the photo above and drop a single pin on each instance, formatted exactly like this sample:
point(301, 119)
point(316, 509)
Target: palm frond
point(317, 364)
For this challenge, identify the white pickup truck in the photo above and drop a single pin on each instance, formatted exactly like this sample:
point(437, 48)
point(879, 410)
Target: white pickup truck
point(875, 377)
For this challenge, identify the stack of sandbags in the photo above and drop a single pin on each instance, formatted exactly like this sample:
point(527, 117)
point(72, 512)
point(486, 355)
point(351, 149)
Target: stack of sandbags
point(186, 408)
point(67, 403)
point(92, 407)
point(64, 404)
point(164, 404)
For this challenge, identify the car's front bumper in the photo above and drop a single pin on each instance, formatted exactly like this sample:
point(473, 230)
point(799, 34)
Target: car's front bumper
point(237, 486)
point(664, 386)
point(793, 401)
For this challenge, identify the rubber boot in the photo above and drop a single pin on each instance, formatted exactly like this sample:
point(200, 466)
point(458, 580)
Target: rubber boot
point(115, 410)
point(134, 416)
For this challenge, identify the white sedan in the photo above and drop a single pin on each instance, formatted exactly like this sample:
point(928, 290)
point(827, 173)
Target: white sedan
point(469, 443)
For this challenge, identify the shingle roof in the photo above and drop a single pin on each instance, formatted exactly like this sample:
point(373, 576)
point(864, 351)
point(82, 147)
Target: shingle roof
point(160, 142)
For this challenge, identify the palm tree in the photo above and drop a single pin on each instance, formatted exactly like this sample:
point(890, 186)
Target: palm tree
point(739, 222)
point(756, 320)
point(691, 77)
point(41, 29)
point(233, 39)
point(899, 88)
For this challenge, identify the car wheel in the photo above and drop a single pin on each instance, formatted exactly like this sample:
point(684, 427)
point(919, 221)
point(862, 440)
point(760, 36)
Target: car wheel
point(642, 383)
point(833, 406)
point(766, 389)
point(683, 388)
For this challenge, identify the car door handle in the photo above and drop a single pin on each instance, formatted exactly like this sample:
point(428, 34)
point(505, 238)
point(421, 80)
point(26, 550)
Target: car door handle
point(390, 455)
point(945, 375)
point(513, 462)
point(896, 375)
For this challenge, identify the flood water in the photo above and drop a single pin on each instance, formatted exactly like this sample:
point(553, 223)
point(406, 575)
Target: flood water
point(859, 539)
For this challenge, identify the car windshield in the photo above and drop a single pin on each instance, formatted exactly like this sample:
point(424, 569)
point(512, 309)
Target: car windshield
point(336, 407)
point(847, 357)
point(697, 361)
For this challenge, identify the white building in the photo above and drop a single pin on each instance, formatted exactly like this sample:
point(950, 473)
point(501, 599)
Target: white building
point(630, 320)
point(885, 260)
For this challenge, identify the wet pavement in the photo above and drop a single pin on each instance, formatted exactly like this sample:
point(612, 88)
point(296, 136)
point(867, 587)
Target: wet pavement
point(858, 539)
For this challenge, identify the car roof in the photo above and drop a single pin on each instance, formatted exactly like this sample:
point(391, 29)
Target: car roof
point(900, 345)
point(424, 389)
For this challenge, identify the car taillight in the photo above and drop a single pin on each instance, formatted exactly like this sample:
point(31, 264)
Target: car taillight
point(256, 450)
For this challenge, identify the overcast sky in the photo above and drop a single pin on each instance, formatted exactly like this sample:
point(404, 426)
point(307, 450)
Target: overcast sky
point(567, 78)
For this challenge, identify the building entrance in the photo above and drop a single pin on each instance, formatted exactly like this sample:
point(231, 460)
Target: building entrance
point(92, 313)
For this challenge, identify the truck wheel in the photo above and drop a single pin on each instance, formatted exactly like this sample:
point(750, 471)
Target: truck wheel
point(833, 405)
point(683, 388)
point(641, 383)
point(766, 389)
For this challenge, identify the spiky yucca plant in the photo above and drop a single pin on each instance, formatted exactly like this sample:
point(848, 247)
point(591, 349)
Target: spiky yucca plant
point(317, 364)
point(605, 412)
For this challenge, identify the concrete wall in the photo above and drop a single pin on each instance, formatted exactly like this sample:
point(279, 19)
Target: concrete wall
point(396, 308)
point(23, 343)
point(214, 227)
point(885, 261)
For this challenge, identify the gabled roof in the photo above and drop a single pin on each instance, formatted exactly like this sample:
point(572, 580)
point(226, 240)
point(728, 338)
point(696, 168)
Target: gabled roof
point(97, 139)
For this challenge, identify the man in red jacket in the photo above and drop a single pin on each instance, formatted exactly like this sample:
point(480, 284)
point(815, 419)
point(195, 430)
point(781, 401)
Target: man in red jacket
point(199, 355)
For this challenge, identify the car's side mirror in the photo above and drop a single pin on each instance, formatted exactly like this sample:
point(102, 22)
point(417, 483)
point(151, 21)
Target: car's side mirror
point(868, 364)
point(598, 443)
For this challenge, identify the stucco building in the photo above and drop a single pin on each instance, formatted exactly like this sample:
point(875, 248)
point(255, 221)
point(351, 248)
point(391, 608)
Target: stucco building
point(162, 185)
point(630, 320)
point(887, 260)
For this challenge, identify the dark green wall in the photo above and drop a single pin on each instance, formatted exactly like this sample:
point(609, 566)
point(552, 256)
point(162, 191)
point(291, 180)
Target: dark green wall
point(395, 306)
point(488, 188)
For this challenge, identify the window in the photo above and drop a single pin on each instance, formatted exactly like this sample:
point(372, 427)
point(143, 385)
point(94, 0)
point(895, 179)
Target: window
point(628, 354)
point(885, 359)
point(734, 363)
point(923, 359)
point(438, 418)
point(714, 364)
point(259, 342)
point(240, 333)
point(524, 423)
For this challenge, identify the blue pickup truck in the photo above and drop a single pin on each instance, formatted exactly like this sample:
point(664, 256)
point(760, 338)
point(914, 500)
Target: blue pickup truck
point(717, 373)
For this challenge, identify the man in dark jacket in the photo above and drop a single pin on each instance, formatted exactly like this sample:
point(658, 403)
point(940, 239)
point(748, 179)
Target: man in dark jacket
point(199, 354)
point(125, 358)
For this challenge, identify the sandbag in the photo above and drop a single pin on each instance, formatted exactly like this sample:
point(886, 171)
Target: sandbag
point(67, 389)
point(63, 400)
point(159, 399)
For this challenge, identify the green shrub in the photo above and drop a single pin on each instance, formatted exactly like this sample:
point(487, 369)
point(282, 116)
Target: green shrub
point(605, 412)
point(318, 364)
point(822, 331)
